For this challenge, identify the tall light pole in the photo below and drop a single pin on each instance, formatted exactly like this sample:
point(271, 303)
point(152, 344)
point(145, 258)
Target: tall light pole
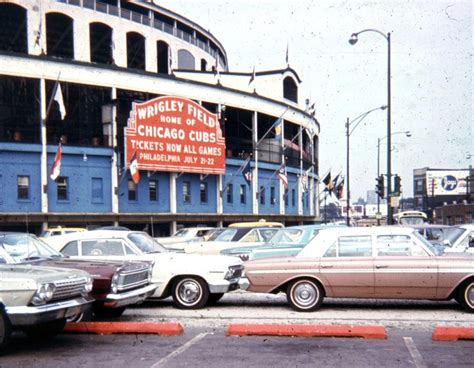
point(353, 40)
point(407, 134)
point(355, 122)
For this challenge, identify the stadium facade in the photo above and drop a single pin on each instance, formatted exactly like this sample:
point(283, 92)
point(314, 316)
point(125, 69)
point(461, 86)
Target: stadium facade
point(71, 71)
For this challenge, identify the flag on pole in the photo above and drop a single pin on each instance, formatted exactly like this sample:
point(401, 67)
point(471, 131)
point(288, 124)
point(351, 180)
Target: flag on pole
point(278, 125)
point(328, 182)
point(56, 168)
point(282, 176)
point(304, 182)
point(134, 168)
point(247, 173)
point(340, 189)
point(252, 78)
point(287, 56)
point(58, 97)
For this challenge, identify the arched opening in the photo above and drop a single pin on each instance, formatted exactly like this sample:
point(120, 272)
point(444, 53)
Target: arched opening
point(290, 89)
point(101, 43)
point(186, 60)
point(13, 29)
point(163, 57)
point(135, 51)
point(59, 35)
point(203, 65)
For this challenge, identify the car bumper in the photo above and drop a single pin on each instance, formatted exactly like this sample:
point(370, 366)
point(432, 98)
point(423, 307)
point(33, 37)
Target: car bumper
point(226, 286)
point(129, 297)
point(32, 315)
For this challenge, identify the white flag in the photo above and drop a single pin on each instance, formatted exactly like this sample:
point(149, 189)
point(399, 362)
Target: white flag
point(58, 97)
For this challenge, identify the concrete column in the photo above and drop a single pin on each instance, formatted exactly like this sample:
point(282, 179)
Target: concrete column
point(255, 188)
point(114, 172)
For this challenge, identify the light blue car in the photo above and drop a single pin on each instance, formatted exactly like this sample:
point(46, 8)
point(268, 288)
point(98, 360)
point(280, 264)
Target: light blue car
point(286, 242)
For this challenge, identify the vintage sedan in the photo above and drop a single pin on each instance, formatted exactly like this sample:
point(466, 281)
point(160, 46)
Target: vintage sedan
point(367, 262)
point(458, 239)
point(191, 280)
point(116, 285)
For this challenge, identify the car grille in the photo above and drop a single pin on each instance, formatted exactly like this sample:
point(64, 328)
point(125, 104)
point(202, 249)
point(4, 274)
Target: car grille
point(132, 278)
point(66, 289)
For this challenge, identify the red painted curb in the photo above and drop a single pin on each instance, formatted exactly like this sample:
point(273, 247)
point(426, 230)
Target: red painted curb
point(368, 332)
point(108, 328)
point(453, 333)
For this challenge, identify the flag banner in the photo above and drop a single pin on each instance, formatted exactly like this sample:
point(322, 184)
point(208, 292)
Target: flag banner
point(252, 78)
point(304, 182)
point(328, 182)
point(340, 189)
point(134, 168)
point(58, 97)
point(247, 173)
point(278, 125)
point(282, 176)
point(56, 168)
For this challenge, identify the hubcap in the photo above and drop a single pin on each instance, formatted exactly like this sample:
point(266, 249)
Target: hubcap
point(470, 295)
point(305, 295)
point(189, 292)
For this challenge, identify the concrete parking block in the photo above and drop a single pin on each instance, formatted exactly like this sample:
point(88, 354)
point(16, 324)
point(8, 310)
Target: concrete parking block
point(108, 328)
point(446, 333)
point(368, 332)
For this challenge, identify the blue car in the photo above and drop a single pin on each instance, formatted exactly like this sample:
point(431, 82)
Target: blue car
point(286, 242)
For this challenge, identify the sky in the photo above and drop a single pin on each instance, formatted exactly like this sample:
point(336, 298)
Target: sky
point(431, 74)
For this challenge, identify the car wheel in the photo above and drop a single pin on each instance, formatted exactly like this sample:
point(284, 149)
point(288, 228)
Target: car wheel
point(190, 293)
point(5, 329)
point(82, 317)
point(103, 312)
point(214, 298)
point(305, 295)
point(466, 296)
point(45, 330)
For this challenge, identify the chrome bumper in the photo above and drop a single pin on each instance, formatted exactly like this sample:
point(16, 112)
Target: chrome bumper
point(129, 297)
point(242, 283)
point(31, 315)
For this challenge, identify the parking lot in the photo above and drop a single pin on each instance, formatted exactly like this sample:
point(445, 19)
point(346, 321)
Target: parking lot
point(409, 326)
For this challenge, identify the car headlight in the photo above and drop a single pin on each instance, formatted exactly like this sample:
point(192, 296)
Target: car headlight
point(43, 294)
point(114, 285)
point(88, 286)
point(233, 272)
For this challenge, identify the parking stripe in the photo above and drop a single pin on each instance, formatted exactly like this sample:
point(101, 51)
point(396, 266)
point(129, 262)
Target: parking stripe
point(181, 349)
point(415, 354)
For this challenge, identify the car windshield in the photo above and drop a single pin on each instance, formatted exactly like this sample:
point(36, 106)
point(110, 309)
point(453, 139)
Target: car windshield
point(182, 233)
point(287, 236)
point(146, 243)
point(411, 221)
point(435, 250)
point(24, 247)
point(452, 234)
point(226, 235)
point(215, 234)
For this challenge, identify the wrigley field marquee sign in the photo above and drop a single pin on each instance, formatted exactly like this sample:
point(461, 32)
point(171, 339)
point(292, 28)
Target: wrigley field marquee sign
point(175, 134)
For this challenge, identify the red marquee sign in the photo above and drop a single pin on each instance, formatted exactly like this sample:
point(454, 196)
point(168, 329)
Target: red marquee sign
point(175, 134)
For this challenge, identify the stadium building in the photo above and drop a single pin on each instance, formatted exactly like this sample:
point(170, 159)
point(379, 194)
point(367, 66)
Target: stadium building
point(77, 72)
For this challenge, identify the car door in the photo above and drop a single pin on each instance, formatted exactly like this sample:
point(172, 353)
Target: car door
point(403, 269)
point(346, 268)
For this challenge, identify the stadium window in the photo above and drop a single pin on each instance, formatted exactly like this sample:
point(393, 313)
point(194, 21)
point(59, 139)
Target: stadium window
point(153, 190)
point(293, 198)
point(186, 192)
point(243, 193)
point(272, 195)
point(230, 193)
point(203, 192)
point(97, 190)
point(23, 187)
point(132, 191)
point(62, 188)
point(262, 195)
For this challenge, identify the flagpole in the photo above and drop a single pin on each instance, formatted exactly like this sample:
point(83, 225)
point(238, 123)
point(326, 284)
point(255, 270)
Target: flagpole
point(300, 191)
point(282, 187)
point(255, 172)
point(44, 152)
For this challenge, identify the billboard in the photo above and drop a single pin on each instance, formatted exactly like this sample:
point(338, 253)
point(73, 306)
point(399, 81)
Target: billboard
point(446, 182)
point(174, 134)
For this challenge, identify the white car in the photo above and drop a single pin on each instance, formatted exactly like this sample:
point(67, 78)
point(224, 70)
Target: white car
point(191, 280)
point(459, 239)
point(185, 236)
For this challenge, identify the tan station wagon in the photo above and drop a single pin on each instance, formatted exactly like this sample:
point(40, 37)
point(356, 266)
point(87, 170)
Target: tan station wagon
point(378, 262)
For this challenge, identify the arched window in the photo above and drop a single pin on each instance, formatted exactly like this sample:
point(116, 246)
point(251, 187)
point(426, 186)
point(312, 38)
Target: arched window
point(59, 35)
point(135, 51)
point(203, 65)
point(163, 57)
point(101, 43)
point(13, 28)
point(186, 60)
point(290, 89)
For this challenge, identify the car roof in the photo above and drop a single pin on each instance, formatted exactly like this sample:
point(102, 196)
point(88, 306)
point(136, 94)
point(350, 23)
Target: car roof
point(368, 230)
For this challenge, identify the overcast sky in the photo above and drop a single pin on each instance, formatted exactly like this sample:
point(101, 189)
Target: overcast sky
point(432, 65)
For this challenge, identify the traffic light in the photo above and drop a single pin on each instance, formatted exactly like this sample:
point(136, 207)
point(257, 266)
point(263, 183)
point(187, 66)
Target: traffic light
point(397, 187)
point(379, 187)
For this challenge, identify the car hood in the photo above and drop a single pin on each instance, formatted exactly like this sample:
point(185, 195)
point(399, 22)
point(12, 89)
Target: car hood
point(196, 259)
point(38, 273)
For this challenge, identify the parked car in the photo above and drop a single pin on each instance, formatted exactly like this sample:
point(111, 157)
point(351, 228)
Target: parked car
point(459, 239)
point(59, 230)
point(259, 223)
point(38, 299)
point(367, 262)
point(116, 285)
point(433, 233)
point(233, 237)
point(191, 280)
point(286, 242)
point(185, 236)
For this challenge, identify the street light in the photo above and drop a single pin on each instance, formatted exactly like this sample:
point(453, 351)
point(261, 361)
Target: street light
point(353, 40)
point(407, 134)
point(355, 121)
